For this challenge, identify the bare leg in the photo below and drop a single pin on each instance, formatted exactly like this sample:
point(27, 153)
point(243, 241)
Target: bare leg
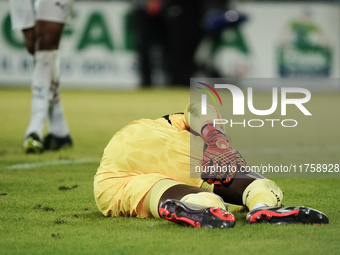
point(29, 37)
point(48, 35)
point(232, 192)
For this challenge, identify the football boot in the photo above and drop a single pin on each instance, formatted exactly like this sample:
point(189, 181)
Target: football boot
point(286, 215)
point(197, 216)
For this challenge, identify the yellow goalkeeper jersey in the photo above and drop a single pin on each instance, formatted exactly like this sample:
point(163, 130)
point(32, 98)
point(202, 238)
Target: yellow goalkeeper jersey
point(139, 155)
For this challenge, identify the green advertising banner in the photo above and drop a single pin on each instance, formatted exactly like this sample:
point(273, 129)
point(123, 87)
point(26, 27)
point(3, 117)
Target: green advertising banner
point(278, 40)
point(96, 49)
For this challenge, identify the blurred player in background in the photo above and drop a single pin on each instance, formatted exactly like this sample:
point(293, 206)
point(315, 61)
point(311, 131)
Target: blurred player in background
point(220, 23)
point(145, 172)
point(174, 26)
point(42, 23)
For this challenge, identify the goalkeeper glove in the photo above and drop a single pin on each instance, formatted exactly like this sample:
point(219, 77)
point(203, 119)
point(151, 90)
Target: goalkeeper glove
point(220, 160)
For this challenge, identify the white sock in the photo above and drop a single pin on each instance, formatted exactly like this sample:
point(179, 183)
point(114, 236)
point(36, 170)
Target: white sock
point(40, 92)
point(57, 122)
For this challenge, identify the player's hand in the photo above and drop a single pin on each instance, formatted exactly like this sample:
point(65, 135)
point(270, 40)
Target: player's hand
point(220, 160)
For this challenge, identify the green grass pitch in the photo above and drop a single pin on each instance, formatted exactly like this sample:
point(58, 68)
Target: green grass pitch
point(47, 204)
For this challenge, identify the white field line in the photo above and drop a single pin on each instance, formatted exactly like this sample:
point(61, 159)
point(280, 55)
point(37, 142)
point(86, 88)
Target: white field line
point(52, 163)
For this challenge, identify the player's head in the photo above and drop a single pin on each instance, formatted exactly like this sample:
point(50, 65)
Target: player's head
point(194, 119)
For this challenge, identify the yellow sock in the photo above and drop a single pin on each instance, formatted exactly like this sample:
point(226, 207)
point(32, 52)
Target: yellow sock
point(231, 207)
point(234, 208)
point(262, 191)
point(151, 201)
point(207, 199)
point(207, 186)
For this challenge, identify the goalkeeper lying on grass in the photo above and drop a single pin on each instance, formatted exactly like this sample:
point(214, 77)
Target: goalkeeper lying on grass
point(145, 172)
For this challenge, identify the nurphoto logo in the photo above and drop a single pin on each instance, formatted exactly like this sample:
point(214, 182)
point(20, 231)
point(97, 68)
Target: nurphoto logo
point(238, 107)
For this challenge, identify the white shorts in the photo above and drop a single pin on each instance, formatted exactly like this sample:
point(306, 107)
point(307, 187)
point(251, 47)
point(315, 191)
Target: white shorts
point(24, 13)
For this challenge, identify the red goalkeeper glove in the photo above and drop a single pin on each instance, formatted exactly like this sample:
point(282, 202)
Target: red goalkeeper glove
point(220, 160)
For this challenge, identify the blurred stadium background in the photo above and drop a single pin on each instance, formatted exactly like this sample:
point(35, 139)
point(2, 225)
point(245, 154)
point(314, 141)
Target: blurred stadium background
point(278, 39)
